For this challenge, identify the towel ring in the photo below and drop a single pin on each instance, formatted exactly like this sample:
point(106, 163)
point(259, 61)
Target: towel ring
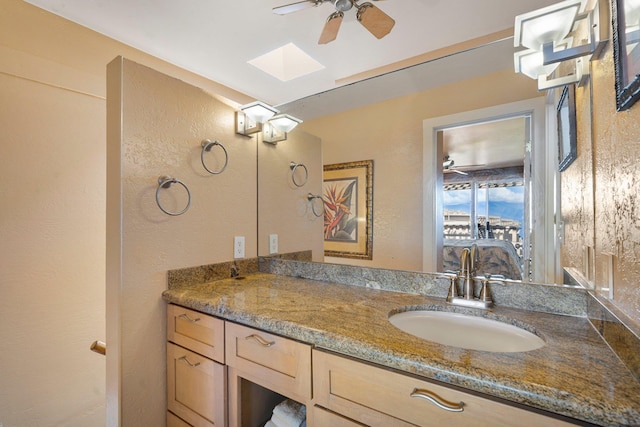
point(207, 146)
point(167, 182)
point(310, 198)
point(293, 166)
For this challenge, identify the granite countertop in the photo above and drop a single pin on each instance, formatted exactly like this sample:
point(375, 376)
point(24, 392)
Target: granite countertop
point(575, 374)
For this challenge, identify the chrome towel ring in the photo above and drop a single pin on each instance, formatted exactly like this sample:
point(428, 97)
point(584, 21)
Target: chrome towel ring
point(207, 146)
point(310, 198)
point(167, 182)
point(293, 166)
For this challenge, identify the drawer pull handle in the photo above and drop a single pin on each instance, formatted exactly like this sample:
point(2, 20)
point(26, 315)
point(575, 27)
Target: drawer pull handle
point(193, 365)
point(260, 340)
point(436, 400)
point(188, 319)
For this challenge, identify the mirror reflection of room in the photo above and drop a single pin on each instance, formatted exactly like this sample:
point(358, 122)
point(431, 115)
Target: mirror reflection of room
point(484, 195)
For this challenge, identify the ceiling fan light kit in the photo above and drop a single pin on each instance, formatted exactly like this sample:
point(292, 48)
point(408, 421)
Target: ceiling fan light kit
point(342, 5)
point(371, 17)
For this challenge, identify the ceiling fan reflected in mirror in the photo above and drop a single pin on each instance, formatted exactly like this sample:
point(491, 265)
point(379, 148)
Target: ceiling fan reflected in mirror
point(371, 17)
point(448, 166)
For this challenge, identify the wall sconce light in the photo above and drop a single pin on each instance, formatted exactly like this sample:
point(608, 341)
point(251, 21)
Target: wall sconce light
point(547, 35)
point(251, 116)
point(284, 122)
point(272, 135)
point(275, 129)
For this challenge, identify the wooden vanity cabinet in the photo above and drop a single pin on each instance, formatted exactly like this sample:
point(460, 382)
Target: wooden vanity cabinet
point(263, 370)
point(196, 375)
point(375, 396)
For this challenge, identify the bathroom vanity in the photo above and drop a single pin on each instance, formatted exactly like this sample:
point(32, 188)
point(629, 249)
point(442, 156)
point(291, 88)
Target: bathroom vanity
point(238, 347)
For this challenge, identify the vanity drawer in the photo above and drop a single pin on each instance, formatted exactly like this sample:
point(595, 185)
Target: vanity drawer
point(196, 387)
point(196, 331)
point(277, 363)
point(380, 397)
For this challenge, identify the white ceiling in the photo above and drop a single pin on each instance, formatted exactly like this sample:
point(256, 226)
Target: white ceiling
point(216, 38)
point(487, 145)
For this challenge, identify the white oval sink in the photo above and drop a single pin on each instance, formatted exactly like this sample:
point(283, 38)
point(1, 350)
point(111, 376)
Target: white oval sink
point(469, 332)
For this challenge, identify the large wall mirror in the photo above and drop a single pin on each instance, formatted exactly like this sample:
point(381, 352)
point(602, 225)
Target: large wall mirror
point(405, 121)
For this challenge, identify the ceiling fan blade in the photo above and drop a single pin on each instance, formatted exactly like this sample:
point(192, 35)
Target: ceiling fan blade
point(467, 167)
point(375, 20)
point(453, 170)
point(294, 7)
point(331, 27)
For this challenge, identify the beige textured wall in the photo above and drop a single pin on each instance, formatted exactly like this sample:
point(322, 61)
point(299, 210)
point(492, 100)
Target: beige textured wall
point(576, 192)
point(391, 134)
point(608, 162)
point(52, 221)
point(155, 127)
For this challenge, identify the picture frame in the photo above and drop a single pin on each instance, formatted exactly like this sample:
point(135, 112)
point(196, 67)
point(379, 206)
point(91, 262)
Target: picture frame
point(626, 53)
point(347, 195)
point(567, 134)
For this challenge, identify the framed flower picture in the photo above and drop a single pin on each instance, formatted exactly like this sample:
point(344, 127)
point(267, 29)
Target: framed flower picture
point(348, 209)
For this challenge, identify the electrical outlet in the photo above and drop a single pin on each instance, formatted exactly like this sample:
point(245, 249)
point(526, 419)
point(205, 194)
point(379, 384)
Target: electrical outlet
point(238, 247)
point(273, 243)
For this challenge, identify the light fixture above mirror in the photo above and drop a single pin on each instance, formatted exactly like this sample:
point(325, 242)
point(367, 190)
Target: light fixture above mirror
point(260, 117)
point(250, 117)
point(549, 37)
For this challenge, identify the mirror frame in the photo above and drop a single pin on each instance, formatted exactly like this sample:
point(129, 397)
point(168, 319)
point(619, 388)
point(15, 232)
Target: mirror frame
point(566, 119)
point(627, 89)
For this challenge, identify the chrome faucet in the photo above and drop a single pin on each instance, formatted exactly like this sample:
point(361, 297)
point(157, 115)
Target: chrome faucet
point(235, 271)
point(469, 260)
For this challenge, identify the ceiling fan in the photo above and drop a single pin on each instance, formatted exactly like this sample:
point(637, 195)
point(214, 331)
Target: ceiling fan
point(448, 166)
point(371, 17)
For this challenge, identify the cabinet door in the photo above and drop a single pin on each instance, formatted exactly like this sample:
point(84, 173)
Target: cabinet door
point(196, 387)
point(173, 421)
point(196, 331)
point(322, 418)
point(380, 397)
point(277, 363)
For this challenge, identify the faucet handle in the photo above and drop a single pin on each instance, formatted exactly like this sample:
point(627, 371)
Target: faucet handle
point(453, 289)
point(484, 292)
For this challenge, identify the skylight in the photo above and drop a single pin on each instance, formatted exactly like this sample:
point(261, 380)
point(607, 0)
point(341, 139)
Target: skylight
point(287, 63)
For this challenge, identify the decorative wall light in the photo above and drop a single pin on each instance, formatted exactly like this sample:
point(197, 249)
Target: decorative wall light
point(276, 129)
point(272, 135)
point(548, 38)
point(250, 118)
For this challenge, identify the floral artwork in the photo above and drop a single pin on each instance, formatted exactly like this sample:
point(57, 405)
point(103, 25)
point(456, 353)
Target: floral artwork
point(348, 207)
point(340, 210)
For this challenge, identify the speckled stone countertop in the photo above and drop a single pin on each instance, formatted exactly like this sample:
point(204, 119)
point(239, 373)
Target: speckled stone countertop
point(575, 374)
